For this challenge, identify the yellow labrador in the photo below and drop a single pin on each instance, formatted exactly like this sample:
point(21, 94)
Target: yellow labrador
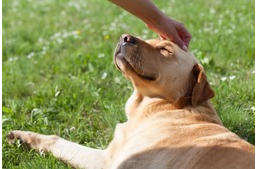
point(171, 123)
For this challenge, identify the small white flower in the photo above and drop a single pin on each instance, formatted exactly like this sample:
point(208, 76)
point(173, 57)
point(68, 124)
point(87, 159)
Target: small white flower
point(43, 52)
point(101, 55)
point(205, 60)
point(232, 77)
point(104, 75)
point(59, 40)
point(63, 13)
point(65, 35)
point(202, 14)
point(212, 11)
point(220, 21)
point(72, 128)
point(229, 31)
point(30, 55)
point(223, 78)
point(56, 35)
point(117, 80)
point(145, 31)
point(144, 37)
point(233, 26)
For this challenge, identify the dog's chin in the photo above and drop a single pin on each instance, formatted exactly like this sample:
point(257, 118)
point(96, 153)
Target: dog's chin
point(129, 69)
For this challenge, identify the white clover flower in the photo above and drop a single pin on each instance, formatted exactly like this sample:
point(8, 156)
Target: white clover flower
point(117, 80)
point(72, 128)
point(29, 56)
point(104, 75)
point(229, 31)
point(232, 77)
point(101, 55)
point(212, 11)
point(205, 60)
point(224, 78)
point(202, 14)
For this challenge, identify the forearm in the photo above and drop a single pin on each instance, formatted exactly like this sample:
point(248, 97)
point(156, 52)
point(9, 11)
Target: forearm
point(78, 155)
point(143, 9)
point(156, 20)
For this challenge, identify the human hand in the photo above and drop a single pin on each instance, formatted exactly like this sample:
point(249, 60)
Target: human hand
point(170, 29)
point(156, 20)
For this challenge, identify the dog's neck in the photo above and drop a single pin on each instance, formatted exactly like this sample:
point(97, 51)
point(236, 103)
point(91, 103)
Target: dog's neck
point(139, 107)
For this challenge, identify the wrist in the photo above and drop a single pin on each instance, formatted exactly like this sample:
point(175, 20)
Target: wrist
point(156, 21)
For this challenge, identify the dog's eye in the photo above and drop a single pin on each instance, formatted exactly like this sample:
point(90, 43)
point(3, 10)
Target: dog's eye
point(164, 51)
point(165, 48)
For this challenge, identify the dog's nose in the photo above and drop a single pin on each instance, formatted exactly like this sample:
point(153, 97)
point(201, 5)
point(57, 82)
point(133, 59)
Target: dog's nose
point(125, 38)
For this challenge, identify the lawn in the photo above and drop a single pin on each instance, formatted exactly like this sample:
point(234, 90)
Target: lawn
point(58, 75)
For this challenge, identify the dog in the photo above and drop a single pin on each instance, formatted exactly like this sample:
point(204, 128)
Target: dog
point(171, 123)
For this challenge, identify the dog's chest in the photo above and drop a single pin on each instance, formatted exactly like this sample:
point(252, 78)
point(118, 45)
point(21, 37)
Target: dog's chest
point(133, 138)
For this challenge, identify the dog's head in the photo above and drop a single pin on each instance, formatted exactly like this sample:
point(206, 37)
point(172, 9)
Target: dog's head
point(160, 69)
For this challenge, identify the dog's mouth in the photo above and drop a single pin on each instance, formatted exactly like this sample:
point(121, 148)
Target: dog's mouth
point(125, 65)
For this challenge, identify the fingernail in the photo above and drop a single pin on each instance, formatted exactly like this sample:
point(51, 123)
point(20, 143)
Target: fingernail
point(185, 48)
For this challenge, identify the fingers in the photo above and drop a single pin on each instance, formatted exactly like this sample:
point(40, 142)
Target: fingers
point(184, 35)
point(180, 43)
point(174, 31)
point(176, 39)
point(187, 39)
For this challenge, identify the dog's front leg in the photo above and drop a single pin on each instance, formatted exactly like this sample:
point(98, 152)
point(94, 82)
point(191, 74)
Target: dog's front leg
point(72, 153)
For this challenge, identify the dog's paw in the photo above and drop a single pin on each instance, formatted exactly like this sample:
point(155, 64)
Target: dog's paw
point(10, 138)
point(32, 140)
point(21, 137)
point(14, 136)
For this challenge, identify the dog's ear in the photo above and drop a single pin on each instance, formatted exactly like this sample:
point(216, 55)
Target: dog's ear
point(201, 89)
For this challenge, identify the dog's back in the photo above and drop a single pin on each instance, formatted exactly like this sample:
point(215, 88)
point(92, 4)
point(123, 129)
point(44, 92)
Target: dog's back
point(182, 139)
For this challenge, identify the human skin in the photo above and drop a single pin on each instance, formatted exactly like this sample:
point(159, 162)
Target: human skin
point(156, 20)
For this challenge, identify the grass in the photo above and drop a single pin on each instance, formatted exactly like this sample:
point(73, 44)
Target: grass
point(59, 78)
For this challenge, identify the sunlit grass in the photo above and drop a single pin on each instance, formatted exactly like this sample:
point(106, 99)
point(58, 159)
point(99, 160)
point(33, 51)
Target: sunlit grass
point(59, 77)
